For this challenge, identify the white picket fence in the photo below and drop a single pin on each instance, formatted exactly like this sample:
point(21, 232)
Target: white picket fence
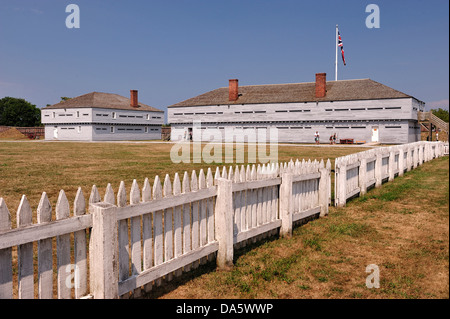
point(355, 173)
point(114, 247)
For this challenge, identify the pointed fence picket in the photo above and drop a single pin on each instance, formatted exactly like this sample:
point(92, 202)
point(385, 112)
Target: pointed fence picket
point(6, 273)
point(71, 279)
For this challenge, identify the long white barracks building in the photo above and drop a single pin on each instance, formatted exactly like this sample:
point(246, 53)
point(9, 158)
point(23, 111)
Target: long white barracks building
point(362, 110)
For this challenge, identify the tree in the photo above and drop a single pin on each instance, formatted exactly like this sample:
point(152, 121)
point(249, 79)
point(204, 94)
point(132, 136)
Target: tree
point(441, 113)
point(18, 112)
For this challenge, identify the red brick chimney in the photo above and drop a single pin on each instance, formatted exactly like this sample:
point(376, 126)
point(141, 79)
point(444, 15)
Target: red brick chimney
point(233, 90)
point(134, 98)
point(321, 85)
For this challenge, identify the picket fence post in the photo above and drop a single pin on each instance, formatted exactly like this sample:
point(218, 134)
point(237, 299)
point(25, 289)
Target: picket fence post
point(401, 160)
point(224, 223)
point(286, 204)
point(362, 175)
point(378, 170)
point(105, 252)
point(323, 189)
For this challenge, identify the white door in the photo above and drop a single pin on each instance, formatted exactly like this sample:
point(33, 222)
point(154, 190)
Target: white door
point(375, 132)
point(55, 133)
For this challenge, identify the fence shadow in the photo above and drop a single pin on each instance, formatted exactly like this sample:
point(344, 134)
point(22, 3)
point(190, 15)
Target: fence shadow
point(210, 266)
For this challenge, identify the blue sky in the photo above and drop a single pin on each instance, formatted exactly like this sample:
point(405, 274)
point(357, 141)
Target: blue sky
point(171, 50)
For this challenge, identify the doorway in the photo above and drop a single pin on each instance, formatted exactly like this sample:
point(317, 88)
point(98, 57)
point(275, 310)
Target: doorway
point(375, 134)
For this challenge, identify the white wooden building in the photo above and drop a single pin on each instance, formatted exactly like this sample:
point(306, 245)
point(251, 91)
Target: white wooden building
point(102, 117)
point(362, 110)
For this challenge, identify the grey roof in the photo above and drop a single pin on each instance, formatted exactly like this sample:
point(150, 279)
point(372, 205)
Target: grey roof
point(344, 90)
point(101, 100)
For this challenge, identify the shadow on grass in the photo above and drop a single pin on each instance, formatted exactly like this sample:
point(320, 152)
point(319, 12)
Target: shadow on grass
point(210, 266)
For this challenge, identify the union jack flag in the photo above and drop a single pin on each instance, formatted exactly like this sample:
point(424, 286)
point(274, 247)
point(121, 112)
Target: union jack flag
point(340, 44)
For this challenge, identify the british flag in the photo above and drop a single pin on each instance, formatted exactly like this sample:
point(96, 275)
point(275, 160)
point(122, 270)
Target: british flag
point(341, 45)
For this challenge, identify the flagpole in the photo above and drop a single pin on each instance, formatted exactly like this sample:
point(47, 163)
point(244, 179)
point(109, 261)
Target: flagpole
point(336, 62)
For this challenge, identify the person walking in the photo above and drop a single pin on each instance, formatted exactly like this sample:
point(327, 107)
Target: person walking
point(317, 137)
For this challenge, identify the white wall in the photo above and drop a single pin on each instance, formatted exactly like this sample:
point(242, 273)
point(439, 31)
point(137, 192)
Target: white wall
point(76, 124)
point(68, 132)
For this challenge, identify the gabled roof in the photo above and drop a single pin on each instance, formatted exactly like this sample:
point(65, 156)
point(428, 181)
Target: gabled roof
point(344, 90)
point(101, 100)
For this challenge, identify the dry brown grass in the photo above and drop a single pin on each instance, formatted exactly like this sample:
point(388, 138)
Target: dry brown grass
point(30, 168)
point(402, 227)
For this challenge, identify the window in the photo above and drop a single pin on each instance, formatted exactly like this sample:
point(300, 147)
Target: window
point(114, 116)
point(393, 108)
point(78, 113)
point(79, 129)
point(111, 129)
point(146, 129)
point(53, 114)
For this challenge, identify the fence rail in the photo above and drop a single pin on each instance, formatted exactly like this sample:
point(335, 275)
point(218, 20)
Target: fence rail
point(355, 173)
point(107, 248)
